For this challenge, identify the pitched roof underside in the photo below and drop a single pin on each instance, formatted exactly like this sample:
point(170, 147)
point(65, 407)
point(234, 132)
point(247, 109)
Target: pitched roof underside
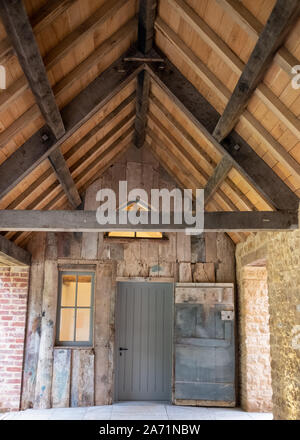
point(209, 41)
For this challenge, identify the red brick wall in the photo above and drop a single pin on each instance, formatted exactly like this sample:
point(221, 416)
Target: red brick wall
point(13, 302)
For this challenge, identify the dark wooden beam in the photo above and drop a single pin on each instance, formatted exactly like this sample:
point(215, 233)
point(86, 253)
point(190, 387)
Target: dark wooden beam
point(13, 255)
point(63, 174)
point(43, 18)
point(19, 30)
point(147, 14)
point(283, 16)
point(188, 99)
point(217, 178)
point(142, 103)
point(75, 114)
point(85, 221)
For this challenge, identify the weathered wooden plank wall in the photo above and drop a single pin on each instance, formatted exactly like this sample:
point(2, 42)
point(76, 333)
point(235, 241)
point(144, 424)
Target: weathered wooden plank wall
point(62, 376)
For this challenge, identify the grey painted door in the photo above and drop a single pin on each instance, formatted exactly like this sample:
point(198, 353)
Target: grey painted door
point(204, 349)
point(144, 314)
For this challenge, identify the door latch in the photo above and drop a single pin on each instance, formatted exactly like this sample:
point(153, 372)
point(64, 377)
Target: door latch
point(227, 315)
point(122, 349)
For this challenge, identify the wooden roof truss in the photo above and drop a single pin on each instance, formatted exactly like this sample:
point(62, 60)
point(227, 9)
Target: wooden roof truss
point(140, 95)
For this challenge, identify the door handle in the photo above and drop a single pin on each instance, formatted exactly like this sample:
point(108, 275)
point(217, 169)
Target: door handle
point(122, 349)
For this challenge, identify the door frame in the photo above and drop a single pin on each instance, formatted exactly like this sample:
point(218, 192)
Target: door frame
point(169, 280)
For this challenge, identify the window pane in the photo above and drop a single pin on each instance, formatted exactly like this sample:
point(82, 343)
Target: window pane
point(67, 325)
point(149, 235)
point(68, 291)
point(83, 325)
point(84, 291)
point(122, 234)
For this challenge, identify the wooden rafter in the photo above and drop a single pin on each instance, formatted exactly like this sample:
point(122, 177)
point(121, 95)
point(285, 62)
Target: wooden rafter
point(142, 103)
point(12, 254)
point(87, 103)
point(65, 83)
point(217, 178)
point(44, 17)
point(69, 157)
point(63, 174)
point(202, 71)
point(57, 202)
point(18, 87)
point(197, 154)
point(280, 22)
point(86, 221)
point(180, 164)
point(19, 30)
point(236, 64)
point(253, 27)
point(204, 116)
point(147, 14)
point(184, 183)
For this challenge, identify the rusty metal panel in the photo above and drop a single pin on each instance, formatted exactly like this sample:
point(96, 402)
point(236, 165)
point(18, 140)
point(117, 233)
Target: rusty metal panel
point(204, 344)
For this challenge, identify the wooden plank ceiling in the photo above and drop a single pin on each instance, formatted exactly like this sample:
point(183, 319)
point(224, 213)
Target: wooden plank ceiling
point(210, 42)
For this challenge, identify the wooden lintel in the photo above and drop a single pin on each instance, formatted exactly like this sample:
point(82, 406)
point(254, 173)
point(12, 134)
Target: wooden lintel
point(13, 255)
point(283, 16)
point(19, 30)
point(86, 221)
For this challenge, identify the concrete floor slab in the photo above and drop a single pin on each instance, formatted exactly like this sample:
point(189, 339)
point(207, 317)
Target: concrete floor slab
point(136, 411)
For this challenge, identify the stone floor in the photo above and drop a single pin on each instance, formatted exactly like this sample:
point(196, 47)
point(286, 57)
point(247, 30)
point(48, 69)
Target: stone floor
point(136, 411)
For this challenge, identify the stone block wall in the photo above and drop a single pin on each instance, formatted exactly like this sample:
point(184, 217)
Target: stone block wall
point(13, 302)
point(282, 253)
point(256, 391)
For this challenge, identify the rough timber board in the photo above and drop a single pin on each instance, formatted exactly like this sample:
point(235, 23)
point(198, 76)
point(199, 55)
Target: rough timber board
point(61, 378)
point(17, 25)
point(82, 383)
point(201, 112)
